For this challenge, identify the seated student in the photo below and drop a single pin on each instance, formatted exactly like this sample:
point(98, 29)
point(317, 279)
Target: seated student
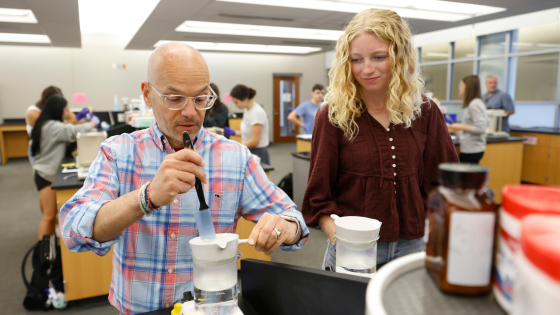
point(139, 194)
point(49, 137)
point(308, 109)
point(217, 116)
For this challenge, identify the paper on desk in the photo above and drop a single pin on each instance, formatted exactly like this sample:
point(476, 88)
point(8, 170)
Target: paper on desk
point(71, 169)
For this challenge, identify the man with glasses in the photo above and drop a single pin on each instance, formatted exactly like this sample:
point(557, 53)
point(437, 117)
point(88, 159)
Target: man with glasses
point(139, 194)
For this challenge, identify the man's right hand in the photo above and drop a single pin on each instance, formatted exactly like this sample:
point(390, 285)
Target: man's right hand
point(176, 175)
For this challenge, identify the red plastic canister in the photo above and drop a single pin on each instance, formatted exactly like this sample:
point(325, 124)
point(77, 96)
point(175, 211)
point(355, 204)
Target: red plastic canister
point(518, 202)
point(537, 288)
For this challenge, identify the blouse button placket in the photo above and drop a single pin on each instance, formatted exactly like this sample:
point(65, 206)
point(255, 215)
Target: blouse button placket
point(394, 156)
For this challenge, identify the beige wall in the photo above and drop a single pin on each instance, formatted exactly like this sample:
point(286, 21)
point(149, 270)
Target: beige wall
point(26, 71)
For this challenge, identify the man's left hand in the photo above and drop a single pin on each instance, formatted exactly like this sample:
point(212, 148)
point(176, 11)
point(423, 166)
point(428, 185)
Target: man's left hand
point(264, 236)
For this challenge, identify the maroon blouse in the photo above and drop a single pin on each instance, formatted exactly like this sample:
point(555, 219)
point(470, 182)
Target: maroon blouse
point(384, 174)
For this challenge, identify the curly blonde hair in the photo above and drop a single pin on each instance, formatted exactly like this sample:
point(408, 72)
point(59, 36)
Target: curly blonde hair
point(405, 87)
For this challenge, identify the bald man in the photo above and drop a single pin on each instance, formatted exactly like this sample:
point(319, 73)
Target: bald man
point(139, 193)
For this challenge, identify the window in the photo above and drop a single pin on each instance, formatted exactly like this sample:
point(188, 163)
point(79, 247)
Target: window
point(540, 37)
point(435, 52)
point(464, 48)
point(460, 70)
point(537, 77)
point(435, 79)
point(533, 115)
point(493, 44)
point(495, 67)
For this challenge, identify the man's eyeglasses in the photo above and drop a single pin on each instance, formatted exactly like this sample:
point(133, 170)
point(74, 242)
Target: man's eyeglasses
point(178, 102)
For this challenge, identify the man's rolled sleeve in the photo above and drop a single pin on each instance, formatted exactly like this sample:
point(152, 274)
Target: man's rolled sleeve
point(78, 214)
point(260, 195)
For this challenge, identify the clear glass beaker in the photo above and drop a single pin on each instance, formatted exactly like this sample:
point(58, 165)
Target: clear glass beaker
point(215, 285)
point(356, 257)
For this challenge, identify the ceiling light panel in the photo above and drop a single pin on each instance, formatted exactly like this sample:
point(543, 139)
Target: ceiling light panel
point(258, 30)
point(417, 9)
point(24, 38)
point(17, 16)
point(247, 47)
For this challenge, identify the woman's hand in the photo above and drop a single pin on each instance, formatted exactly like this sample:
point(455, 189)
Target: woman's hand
point(463, 127)
point(327, 225)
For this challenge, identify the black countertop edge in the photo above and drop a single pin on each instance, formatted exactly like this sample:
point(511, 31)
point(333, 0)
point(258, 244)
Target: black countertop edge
point(302, 155)
point(59, 183)
point(13, 122)
point(491, 140)
point(554, 131)
point(267, 168)
point(299, 139)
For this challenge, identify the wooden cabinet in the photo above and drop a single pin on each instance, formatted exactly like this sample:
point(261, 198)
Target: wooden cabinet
point(85, 274)
point(14, 142)
point(541, 162)
point(505, 160)
point(303, 146)
point(235, 124)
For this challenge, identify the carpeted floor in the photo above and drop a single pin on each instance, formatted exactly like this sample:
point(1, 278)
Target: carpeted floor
point(20, 217)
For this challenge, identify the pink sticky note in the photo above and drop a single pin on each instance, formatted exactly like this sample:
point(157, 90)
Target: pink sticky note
point(227, 98)
point(79, 98)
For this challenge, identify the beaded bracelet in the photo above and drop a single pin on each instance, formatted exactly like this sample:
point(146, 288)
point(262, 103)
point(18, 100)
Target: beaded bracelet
point(140, 200)
point(144, 201)
point(333, 240)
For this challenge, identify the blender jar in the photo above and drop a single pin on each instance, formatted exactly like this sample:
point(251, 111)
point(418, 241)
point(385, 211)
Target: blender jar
point(215, 285)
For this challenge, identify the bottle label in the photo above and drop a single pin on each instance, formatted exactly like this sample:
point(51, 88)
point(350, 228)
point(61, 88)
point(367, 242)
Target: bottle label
point(469, 256)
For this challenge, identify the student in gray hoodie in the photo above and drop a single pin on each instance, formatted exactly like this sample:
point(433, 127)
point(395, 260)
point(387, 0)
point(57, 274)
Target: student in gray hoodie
point(475, 121)
point(49, 137)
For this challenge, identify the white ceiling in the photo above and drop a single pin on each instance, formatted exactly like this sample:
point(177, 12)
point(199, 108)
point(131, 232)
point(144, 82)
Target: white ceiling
point(59, 19)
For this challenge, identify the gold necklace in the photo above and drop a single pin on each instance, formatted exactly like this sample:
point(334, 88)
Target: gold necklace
point(378, 111)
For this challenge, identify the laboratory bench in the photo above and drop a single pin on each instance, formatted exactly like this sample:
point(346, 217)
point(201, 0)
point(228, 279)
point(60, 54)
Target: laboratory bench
point(278, 289)
point(14, 140)
point(541, 155)
point(87, 274)
point(504, 158)
point(235, 124)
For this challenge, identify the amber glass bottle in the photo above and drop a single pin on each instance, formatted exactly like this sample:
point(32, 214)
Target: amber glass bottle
point(459, 252)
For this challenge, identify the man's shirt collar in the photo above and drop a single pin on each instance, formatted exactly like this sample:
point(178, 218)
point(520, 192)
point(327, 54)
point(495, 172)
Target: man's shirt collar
point(160, 139)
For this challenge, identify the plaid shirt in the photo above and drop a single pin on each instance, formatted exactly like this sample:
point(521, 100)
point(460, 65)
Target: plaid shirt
point(152, 263)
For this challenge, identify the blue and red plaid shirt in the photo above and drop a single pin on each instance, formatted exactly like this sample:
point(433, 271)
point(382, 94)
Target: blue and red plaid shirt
point(152, 263)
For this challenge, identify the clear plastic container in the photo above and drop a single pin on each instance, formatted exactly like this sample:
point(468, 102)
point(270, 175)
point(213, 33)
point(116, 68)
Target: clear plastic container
point(356, 257)
point(215, 285)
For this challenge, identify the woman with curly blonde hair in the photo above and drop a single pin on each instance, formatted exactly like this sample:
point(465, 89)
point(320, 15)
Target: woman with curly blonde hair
point(377, 140)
